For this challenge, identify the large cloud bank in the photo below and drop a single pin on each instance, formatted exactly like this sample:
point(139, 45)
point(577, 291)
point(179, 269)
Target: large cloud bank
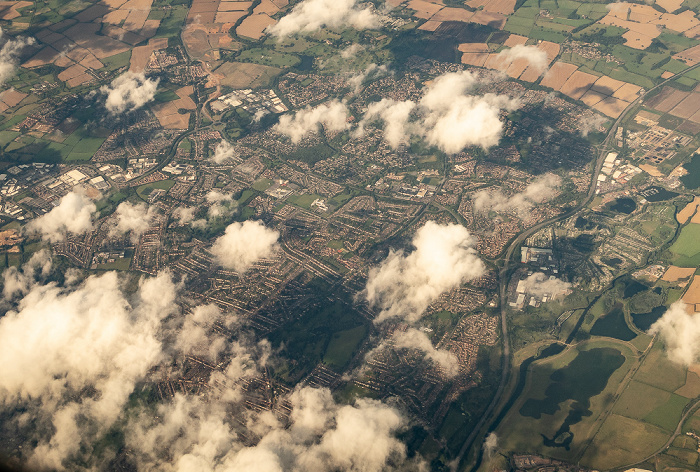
point(242, 244)
point(129, 91)
point(447, 115)
point(541, 189)
point(312, 15)
point(73, 356)
point(331, 115)
point(72, 215)
point(9, 56)
point(405, 284)
point(321, 436)
point(680, 333)
point(61, 343)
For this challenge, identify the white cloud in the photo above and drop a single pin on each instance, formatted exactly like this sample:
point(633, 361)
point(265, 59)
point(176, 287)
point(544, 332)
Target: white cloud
point(680, 333)
point(129, 91)
point(405, 284)
point(134, 218)
point(415, 339)
point(72, 215)
point(224, 151)
point(60, 343)
point(312, 15)
point(243, 244)
point(372, 71)
point(455, 120)
point(9, 56)
point(542, 188)
point(332, 115)
point(539, 284)
point(447, 116)
point(535, 56)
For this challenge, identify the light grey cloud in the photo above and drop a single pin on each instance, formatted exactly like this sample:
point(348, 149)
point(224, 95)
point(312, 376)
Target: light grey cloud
point(541, 189)
point(539, 284)
point(129, 91)
point(372, 71)
point(322, 436)
point(9, 55)
point(415, 339)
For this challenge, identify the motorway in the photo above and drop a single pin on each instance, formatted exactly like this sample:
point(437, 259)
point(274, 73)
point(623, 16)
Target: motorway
point(604, 149)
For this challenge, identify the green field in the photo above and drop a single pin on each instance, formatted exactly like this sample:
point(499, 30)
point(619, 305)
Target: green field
point(342, 346)
point(144, 190)
point(669, 414)
point(303, 201)
point(563, 397)
point(686, 248)
point(639, 400)
point(119, 264)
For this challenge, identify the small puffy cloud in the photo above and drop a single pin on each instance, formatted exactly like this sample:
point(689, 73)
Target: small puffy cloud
point(372, 71)
point(415, 339)
point(129, 91)
point(351, 51)
point(490, 445)
point(19, 281)
point(680, 333)
point(535, 56)
point(243, 244)
point(447, 116)
point(72, 215)
point(332, 115)
point(184, 215)
point(539, 284)
point(312, 15)
point(396, 117)
point(223, 151)
point(591, 123)
point(405, 284)
point(221, 205)
point(9, 55)
point(541, 189)
point(60, 343)
point(134, 218)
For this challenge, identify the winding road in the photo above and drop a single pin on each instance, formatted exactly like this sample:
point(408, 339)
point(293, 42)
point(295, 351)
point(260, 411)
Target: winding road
point(604, 149)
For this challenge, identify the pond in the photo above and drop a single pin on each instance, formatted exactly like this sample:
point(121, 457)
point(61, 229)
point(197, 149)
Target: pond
point(624, 205)
point(643, 321)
